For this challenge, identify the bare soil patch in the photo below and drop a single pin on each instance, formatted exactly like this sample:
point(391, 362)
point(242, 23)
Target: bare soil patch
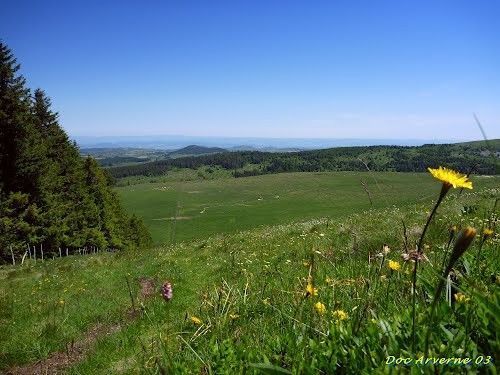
point(58, 362)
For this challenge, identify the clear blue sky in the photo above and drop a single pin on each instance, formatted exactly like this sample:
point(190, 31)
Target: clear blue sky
point(337, 69)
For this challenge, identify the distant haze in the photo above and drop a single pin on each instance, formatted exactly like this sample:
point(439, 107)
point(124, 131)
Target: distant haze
point(168, 142)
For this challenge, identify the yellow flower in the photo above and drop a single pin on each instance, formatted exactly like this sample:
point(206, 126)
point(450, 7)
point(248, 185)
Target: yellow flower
point(395, 266)
point(461, 298)
point(196, 320)
point(487, 232)
point(450, 177)
point(340, 315)
point(311, 290)
point(320, 308)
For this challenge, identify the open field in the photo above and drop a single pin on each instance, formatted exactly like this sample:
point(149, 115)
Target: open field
point(183, 210)
point(240, 302)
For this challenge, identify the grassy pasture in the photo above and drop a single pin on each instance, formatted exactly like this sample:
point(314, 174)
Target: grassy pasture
point(183, 210)
point(248, 290)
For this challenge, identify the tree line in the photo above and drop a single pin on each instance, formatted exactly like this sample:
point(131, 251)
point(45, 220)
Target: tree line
point(50, 196)
point(478, 158)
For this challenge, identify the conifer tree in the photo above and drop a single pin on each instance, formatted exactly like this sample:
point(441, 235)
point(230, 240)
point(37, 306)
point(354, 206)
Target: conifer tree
point(49, 195)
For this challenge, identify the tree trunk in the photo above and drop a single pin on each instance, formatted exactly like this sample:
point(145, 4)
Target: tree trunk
point(13, 258)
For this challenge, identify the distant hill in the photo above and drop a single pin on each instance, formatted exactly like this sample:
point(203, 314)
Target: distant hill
point(193, 150)
point(476, 157)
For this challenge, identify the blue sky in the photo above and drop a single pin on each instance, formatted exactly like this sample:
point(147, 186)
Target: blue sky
point(336, 69)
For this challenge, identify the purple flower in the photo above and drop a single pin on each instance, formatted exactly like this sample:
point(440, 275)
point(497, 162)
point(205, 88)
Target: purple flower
point(166, 291)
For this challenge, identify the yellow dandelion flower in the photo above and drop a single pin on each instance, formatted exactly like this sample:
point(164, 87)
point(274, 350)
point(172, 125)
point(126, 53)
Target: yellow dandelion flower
point(320, 308)
point(461, 298)
point(311, 290)
point(487, 232)
point(196, 321)
point(451, 178)
point(340, 315)
point(394, 266)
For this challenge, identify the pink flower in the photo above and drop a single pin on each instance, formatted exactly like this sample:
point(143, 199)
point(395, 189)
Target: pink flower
point(166, 291)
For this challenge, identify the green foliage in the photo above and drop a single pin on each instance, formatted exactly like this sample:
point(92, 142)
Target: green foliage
point(49, 197)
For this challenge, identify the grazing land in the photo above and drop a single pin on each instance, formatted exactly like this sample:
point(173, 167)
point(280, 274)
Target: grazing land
point(304, 298)
point(183, 210)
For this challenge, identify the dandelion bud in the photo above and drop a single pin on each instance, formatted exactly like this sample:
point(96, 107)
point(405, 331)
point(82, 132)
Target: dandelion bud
point(463, 242)
point(166, 291)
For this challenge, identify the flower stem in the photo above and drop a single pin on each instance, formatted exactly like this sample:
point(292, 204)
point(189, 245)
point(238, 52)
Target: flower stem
point(444, 190)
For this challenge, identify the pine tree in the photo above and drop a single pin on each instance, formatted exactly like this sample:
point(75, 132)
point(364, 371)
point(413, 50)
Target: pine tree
point(48, 194)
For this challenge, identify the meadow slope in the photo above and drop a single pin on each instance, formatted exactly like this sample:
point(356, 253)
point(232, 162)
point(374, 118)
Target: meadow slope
point(241, 301)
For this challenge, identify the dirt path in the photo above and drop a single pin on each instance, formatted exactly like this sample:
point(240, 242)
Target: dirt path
point(58, 362)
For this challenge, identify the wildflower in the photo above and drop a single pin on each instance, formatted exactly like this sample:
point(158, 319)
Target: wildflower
point(487, 233)
point(265, 301)
point(320, 308)
point(450, 178)
point(340, 315)
point(328, 280)
point(166, 291)
point(386, 249)
point(234, 316)
point(413, 256)
point(196, 320)
point(394, 266)
point(310, 289)
point(461, 298)
point(463, 242)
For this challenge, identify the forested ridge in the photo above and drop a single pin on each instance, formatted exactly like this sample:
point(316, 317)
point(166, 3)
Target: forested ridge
point(474, 157)
point(51, 197)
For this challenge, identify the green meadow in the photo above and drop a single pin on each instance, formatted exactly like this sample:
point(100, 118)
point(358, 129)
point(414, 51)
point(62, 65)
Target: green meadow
point(183, 210)
point(298, 284)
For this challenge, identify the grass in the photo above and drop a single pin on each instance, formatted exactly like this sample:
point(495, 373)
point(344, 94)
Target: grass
point(228, 205)
point(249, 291)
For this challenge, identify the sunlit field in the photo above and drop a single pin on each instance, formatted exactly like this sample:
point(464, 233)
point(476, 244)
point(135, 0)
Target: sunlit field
point(320, 296)
point(183, 210)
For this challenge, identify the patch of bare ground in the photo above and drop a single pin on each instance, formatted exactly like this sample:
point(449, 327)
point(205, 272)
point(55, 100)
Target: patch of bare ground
point(59, 362)
point(75, 351)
